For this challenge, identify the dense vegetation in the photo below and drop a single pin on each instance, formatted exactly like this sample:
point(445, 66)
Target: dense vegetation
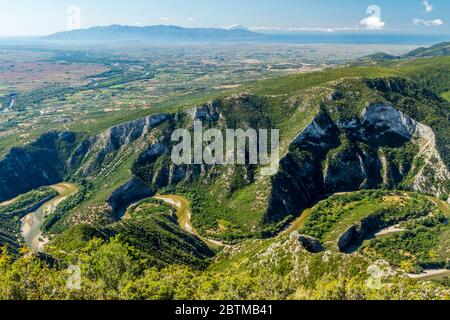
point(330, 216)
point(114, 270)
point(421, 246)
point(151, 228)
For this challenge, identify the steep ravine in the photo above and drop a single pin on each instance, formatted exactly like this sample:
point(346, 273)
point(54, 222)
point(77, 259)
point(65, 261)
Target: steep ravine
point(377, 147)
point(329, 157)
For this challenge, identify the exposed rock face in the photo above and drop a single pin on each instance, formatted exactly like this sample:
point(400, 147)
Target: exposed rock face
point(356, 234)
point(434, 173)
point(322, 134)
point(300, 179)
point(39, 164)
point(384, 125)
point(311, 244)
point(329, 157)
point(132, 191)
point(54, 156)
point(345, 170)
point(99, 151)
point(207, 112)
point(334, 153)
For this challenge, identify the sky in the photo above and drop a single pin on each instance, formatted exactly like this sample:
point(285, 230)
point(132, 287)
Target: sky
point(42, 17)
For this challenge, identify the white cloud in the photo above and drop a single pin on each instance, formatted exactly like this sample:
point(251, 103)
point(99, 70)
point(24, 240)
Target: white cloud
point(191, 19)
point(373, 22)
point(428, 6)
point(165, 19)
point(428, 23)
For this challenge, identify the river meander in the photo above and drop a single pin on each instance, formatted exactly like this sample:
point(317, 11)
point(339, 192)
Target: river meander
point(32, 223)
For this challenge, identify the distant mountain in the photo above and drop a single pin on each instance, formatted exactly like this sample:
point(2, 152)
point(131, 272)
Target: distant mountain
point(376, 58)
point(238, 27)
point(438, 50)
point(160, 33)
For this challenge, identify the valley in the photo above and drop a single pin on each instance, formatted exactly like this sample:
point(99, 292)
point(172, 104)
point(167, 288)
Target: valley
point(84, 88)
point(362, 183)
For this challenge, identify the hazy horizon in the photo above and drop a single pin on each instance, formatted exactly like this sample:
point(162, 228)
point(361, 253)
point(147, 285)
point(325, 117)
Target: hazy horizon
point(32, 18)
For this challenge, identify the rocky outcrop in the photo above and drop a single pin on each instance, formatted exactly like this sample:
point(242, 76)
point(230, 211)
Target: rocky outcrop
point(384, 125)
point(55, 156)
point(433, 175)
point(311, 244)
point(300, 179)
point(345, 170)
point(322, 134)
point(356, 234)
point(206, 112)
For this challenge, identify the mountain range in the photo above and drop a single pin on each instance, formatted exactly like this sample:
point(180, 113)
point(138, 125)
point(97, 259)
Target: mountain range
point(159, 33)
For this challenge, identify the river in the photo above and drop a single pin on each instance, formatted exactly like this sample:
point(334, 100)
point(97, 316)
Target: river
point(32, 223)
point(184, 217)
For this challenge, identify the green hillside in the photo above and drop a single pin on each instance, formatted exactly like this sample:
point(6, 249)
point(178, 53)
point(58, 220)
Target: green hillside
point(277, 268)
point(441, 49)
point(364, 152)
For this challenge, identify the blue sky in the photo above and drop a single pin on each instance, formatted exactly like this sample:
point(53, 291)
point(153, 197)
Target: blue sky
point(39, 17)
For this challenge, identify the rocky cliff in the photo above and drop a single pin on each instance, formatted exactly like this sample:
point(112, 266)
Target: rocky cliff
point(39, 164)
point(330, 157)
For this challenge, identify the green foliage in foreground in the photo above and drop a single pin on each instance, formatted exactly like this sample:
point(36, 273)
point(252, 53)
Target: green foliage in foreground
point(446, 95)
point(147, 256)
point(114, 270)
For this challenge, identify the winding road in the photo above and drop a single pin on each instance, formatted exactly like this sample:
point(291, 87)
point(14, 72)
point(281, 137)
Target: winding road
point(32, 223)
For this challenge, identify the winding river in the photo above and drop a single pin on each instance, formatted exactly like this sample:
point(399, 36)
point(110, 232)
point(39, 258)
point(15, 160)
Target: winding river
point(184, 217)
point(32, 223)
